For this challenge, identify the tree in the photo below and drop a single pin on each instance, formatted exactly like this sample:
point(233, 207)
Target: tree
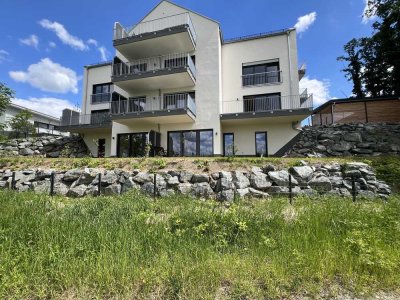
point(353, 71)
point(373, 63)
point(5, 99)
point(20, 123)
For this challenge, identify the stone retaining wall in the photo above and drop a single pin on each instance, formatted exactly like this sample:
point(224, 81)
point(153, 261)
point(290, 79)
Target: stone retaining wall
point(48, 146)
point(222, 186)
point(348, 140)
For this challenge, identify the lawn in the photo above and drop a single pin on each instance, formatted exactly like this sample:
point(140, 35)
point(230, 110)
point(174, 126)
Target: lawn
point(134, 247)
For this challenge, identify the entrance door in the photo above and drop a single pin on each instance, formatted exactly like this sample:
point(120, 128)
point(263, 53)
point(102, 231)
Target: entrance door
point(101, 148)
point(132, 144)
point(229, 144)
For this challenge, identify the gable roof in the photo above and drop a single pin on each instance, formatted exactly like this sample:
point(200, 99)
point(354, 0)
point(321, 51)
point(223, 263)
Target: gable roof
point(33, 111)
point(171, 3)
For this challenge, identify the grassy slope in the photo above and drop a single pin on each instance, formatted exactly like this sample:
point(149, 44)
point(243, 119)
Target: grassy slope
point(132, 246)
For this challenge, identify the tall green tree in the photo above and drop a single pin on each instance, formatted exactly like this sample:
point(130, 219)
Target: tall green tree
point(6, 94)
point(20, 123)
point(373, 63)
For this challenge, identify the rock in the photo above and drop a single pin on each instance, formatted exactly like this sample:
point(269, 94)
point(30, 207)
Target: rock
point(173, 181)
point(227, 195)
point(109, 178)
point(77, 191)
point(53, 154)
point(185, 176)
point(202, 190)
point(241, 193)
point(148, 188)
point(184, 188)
point(320, 184)
point(268, 168)
point(87, 176)
point(362, 151)
point(352, 137)
point(198, 178)
point(260, 181)
point(72, 175)
point(256, 170)
point(342, 146)
point(128, 185)
point(352, 173)
point(281, 178)
point(26, 152)
point(114, 189)
point(320, 148)
point(356, 166)
point(257, 194)
point(240, 180)
point(142, 177)
point(302, 174)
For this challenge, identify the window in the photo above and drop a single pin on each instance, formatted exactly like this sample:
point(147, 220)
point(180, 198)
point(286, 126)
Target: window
point(264, 102)
point(261, 144)
point(132, 144)
point(191, 143)
point(101, 93)
point(257, 74)
point(229, 142)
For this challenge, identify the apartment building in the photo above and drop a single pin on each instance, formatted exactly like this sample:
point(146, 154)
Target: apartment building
point(177, 87)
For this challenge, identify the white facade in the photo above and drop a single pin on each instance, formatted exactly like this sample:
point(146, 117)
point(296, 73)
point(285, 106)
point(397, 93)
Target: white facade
point(43, 123)
point(174, 77)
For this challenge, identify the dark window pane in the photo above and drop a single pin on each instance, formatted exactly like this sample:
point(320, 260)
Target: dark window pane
point(174, 144)
point(206, 143)
point(228, 144)
point(261, 144)
point(123, 145)
point(139, 141)
point(189, 143)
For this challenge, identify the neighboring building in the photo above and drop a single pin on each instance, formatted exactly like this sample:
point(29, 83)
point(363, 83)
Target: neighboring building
point(368, 110)
point(177, 84)
point(44, 124)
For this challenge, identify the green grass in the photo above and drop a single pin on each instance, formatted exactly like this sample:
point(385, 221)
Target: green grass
point(133, 247)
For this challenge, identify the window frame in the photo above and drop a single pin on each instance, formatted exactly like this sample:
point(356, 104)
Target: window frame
point(251, 77)
point(181, 132)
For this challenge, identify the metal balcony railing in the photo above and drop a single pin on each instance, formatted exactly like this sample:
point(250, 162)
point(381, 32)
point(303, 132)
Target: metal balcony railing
point(153, 104)
point(100, 98)
point(86, 120)
point(274, 77)
point(155, 25)
point(164, 62)
point(268, 103)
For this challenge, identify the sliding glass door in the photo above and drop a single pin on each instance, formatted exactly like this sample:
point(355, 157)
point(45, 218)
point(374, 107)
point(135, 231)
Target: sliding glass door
point(132, 144)
point(191, 143)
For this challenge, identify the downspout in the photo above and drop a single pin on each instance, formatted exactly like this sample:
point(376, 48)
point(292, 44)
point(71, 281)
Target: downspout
point(290, 63)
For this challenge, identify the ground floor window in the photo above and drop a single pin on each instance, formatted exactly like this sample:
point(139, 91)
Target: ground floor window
point(191, 143)
point(132, 144)
point(229, 144)
point(261, 144)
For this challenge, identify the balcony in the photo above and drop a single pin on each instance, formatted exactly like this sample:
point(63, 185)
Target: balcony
point(76, 122)
point(154, 37)
point(269, 106)
point(100, 98)
point(160, 72)
point(265, 78)
point(173, 108)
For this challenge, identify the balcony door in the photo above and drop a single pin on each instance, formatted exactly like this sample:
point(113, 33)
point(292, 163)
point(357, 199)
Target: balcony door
point(191, 143)
point(132, 144)
point(264, 102)
point(261, 143)
point(229, 144)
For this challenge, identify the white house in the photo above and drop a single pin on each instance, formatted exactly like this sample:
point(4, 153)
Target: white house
point(176, 84)
point(44, 124)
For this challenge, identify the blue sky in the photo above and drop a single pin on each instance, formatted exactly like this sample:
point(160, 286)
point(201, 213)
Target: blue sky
point(45, 43)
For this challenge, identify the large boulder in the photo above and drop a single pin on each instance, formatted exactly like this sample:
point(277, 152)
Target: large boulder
point(260, 181)
point(72, 175)
point(198, 178)
point(281, 178)
point(320, 184)
point(202, 190)
point(302, 174)
point(240, 180)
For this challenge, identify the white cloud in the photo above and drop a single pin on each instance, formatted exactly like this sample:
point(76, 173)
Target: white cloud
point(92, 42)
point(52, 45)
point(104, 53)
point(3, 55)
point(48, 76)
point(32, 41)
point(365, 17)
point(64, 35)
point(319, 89)
point(49, 106)
point(304, 22)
